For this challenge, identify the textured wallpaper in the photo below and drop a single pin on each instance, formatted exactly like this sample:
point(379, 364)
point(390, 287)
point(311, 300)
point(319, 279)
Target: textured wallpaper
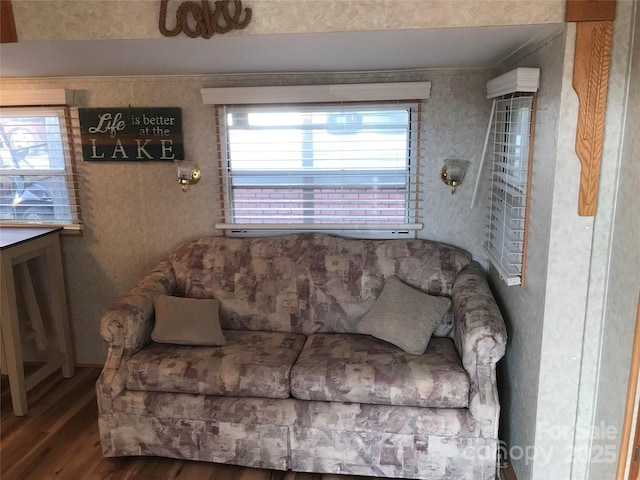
point(616, 325)
point(523, 308)
point(135, 213)
point(581, 273)
point(570, 328)
point(46, 20)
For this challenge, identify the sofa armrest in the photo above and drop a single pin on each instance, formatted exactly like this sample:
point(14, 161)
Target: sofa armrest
point(481, 339)
point(127, 327)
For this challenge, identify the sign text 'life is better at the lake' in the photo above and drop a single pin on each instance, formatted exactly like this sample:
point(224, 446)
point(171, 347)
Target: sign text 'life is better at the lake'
point(131, 134)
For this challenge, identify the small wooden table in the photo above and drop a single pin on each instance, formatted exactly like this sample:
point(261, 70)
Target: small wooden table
point(17, 247)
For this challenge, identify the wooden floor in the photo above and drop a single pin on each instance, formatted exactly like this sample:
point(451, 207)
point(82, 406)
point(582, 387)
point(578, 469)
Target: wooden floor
point(58, 439)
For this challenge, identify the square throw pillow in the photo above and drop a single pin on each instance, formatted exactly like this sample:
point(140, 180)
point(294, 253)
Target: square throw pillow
point(187, 321)
point(404, 316)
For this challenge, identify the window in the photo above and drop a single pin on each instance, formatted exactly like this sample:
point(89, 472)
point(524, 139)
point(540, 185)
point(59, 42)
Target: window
point(508, 212)
point(512, 123)
point(330, 166)
point(37, 185)
point(333, 158)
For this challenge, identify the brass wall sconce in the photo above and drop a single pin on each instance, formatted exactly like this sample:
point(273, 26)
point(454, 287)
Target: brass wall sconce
point(188, 174)
point(452, 172)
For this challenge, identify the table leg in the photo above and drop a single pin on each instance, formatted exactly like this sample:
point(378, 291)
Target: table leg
point(3, 359)
point(11, 344)
point(59, 304)
point(29, 294)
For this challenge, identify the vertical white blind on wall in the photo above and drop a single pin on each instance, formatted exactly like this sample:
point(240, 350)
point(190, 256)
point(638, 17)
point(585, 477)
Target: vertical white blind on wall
point(509, 185)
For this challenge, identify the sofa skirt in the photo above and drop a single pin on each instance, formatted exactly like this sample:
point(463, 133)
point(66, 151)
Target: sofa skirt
point(299, 435)
point(258, 446)
point(392, 455)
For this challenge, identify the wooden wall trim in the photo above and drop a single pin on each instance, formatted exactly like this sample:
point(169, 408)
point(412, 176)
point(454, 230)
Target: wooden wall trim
point(590, 81)
point(590, 10)
point(8, 32)
point(591, 62)
point(527, 209)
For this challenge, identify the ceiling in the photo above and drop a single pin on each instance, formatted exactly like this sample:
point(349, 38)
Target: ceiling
point(476, 47)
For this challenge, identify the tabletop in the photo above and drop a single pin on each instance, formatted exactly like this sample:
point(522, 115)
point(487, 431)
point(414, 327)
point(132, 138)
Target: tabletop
point(10, 236)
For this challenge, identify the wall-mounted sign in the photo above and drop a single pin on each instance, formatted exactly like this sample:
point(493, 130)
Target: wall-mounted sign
point(131, 134)
point(200, 20)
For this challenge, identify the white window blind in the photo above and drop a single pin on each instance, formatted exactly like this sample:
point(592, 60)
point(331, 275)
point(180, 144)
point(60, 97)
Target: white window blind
point(38, 184)
point(512, 142)
point(320, 166)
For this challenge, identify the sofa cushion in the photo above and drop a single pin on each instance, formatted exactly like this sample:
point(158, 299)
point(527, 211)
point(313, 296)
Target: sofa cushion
point(404, 316)
point(187, 321)
point(363, 369)
point(252, 364)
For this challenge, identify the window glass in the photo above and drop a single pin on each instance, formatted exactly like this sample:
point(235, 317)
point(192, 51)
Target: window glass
point(507, 236)
point(36, 178)
point(336, 165)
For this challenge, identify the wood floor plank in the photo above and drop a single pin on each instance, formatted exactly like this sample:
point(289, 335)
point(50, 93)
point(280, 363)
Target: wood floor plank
point(54, 401)
point(83, 453)
point(45, 418)
point(214, 471)
point(151, 467)
point(111, 469)
point(193, 470)
point(7, 419)
point(57, 455)
point(304, 476)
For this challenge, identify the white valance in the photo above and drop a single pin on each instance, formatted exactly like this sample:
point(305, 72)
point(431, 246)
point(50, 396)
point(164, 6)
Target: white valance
point(360, 92)
point(34, 98)
point(518, 80)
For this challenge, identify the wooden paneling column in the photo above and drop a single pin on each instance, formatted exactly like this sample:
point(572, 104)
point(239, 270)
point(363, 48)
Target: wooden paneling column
point(590, 81)
point(7, 23)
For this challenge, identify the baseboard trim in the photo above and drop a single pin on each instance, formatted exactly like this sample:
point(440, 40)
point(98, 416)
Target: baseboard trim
point(77, 365)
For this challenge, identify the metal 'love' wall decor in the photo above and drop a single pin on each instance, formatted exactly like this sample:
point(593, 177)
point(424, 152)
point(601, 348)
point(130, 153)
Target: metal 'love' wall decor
point(199, 20)
point(131, 134)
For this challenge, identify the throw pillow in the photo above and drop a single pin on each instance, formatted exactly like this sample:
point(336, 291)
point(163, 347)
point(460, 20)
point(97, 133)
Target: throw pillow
point(187, 321)
point(404, 316)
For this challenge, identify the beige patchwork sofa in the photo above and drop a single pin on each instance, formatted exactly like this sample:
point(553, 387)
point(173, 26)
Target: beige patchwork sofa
point(296, 387)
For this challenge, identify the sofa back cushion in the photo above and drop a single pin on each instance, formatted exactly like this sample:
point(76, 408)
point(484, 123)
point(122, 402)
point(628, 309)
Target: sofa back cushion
point(307, 283)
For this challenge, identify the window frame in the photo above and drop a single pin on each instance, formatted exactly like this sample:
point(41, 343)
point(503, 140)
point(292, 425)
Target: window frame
point(410, 172)
point(63, 144)
point(504, 148)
